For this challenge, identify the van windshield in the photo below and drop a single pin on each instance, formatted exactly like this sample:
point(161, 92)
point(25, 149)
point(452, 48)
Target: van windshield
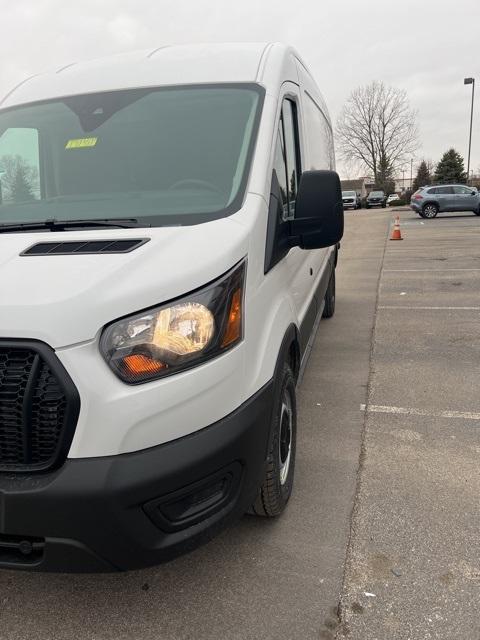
point(168, 156)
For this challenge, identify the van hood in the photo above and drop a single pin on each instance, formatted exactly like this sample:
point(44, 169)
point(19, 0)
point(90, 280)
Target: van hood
point(67, 299)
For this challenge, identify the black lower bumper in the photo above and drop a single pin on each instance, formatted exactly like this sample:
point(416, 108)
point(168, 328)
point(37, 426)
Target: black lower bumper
point(139, 509)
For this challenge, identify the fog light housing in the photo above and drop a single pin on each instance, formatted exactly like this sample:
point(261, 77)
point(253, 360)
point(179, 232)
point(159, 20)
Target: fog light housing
point(196, 502)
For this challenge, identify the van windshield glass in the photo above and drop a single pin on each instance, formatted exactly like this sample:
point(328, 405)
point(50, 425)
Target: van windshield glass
point(169, 156)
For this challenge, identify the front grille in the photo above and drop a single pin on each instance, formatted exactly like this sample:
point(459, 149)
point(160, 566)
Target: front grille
point(38, 408)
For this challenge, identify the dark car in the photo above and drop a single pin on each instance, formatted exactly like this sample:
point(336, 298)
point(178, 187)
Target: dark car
point(351, 200)
point(428, 201)
point(376, 199)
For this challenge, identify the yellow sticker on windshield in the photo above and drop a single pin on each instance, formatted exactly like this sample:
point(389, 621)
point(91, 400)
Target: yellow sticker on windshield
point(81, 143)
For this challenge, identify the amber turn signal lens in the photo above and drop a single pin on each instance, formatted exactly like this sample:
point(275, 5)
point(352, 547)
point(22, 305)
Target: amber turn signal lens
point(233, 332)
point(139, 365)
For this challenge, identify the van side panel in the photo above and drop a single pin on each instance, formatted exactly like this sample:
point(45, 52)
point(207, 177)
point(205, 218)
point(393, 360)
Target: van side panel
point(274, 299)
point(319, 154)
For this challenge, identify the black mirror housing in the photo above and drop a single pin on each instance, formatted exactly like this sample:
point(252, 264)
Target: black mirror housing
point(318, 221)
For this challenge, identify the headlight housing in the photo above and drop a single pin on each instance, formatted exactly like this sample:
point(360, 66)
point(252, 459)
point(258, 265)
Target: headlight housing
point(177, 335)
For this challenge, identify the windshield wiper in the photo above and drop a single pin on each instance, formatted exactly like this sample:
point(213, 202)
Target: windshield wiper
point(62, 225)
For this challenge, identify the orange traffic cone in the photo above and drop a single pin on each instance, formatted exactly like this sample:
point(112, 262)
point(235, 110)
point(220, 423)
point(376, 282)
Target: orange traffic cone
point(396, 233)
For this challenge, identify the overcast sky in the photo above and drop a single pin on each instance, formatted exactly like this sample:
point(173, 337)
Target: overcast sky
point(424, 46)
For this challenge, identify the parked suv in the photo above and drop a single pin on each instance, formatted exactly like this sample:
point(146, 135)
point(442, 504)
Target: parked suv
point(351, 200)
point(376, 199)
point(429, 201)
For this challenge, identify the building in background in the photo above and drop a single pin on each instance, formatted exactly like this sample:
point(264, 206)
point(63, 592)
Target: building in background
point(402, 184)
point(361, 185)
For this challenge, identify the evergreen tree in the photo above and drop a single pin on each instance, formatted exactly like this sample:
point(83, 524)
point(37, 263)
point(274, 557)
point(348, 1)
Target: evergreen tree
point(450, 168)
point(293, 186)
point(21, 185)
point(423, 176)
point(19, 179)
point(385, 180)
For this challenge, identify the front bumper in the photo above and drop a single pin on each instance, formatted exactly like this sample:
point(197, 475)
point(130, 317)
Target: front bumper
point(137, 509)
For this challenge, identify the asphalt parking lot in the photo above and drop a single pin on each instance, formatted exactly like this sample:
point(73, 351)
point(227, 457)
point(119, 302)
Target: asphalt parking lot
point(413, 567)
point(380, 540)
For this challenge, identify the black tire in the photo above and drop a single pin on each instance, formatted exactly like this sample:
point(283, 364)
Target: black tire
point(477, 212)
point(384, 205)
point(277, 484)
point(430, 210)
point(329, 308)
point(421, 214)
point(367, 206)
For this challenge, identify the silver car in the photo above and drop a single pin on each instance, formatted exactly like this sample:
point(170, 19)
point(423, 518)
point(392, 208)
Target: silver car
point(351, 200)
point(429, 201)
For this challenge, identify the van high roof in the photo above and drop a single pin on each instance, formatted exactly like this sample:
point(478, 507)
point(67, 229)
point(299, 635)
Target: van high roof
point(165, 65)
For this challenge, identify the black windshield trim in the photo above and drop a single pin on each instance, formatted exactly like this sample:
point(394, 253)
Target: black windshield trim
point(189, 219)
point(55, 225)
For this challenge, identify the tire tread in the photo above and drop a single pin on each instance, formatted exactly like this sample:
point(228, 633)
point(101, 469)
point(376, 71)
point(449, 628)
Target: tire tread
point(272, 499)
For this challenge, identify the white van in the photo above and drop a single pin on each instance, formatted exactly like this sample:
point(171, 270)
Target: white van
point(169, 229)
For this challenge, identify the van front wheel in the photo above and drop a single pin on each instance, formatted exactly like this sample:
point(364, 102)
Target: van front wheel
point(277, 484)
point(329, 308)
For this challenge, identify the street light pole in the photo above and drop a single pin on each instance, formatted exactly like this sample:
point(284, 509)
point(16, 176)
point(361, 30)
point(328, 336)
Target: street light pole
point(411, 173)
point(472, 82)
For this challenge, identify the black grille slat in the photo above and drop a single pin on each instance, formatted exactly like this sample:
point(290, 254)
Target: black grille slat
point(15, 367)
point(38, 409)
point(48, 414)
point(84, 247)
point(27, 408)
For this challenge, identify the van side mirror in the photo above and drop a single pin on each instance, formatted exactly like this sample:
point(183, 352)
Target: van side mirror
point(318, 221)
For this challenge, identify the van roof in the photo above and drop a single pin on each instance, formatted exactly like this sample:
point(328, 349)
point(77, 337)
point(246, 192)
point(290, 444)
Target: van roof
point(164, 65)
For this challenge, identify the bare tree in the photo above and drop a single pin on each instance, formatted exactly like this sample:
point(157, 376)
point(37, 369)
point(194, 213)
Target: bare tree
point(351, 168)
point(378, 128)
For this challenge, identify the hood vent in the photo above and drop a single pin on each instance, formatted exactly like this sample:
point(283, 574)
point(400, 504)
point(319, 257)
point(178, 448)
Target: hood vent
point(77, 247)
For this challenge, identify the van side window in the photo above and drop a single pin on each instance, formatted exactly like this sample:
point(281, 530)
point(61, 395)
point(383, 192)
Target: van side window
point(286, 160)
point(320, 137)
point(291, 147)
point(19, 166)
point(280, 168)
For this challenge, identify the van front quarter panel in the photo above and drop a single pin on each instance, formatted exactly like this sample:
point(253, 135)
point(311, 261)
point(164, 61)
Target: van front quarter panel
point(150, 345)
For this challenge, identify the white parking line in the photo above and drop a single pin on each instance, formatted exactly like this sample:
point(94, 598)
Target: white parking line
point(397, 306)
point(426, 270)
point(378, 408)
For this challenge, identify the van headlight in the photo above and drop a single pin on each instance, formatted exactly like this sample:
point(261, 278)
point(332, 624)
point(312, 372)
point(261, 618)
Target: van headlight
point(177, 335)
